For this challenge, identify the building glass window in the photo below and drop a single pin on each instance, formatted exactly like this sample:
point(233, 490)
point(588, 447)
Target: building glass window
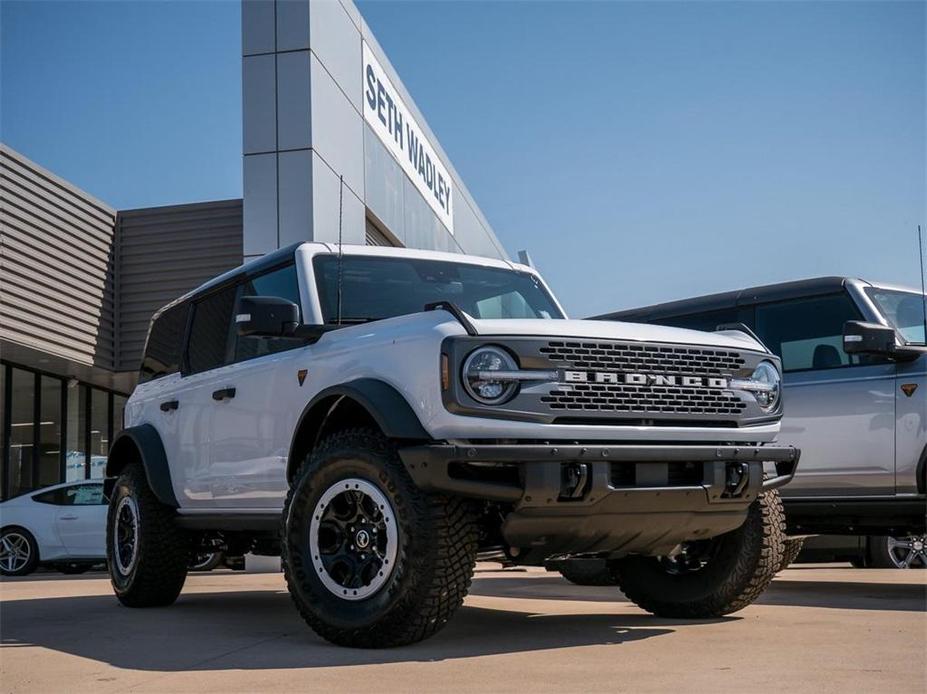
point(76, 451)
point(22, 432)
point(99, 431)
point(49, 453)
point(119, 407)
point(45, 424)
point(4, 480)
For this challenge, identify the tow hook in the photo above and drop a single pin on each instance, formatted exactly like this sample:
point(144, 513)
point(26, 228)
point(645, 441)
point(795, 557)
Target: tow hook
point(737, 475)
point(573, 480)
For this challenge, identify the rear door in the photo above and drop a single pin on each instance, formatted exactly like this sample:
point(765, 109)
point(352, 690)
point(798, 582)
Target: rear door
point(81, 520)
point(839, 409)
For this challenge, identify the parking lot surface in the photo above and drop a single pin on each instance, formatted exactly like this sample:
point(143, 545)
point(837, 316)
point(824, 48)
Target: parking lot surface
point(815, 630)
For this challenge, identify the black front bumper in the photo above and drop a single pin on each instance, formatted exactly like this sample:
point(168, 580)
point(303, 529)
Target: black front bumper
point(633, 498)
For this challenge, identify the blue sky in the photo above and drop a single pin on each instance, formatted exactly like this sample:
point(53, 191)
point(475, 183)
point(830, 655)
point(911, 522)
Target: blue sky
point(640, 151)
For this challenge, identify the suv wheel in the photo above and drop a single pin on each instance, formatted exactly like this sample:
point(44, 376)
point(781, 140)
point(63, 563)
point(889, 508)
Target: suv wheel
point(369, 559)
point(146, 553)
point(710, 578)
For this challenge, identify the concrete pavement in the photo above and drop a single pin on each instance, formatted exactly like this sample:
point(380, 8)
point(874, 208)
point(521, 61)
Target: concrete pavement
point(815, 630)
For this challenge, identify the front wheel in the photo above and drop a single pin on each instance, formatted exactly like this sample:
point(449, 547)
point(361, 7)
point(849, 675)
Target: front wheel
point(369, 559)
point(146, 553)
point(710, 578)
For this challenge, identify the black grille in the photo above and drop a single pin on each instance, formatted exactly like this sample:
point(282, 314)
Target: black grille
point(629, 400)
point(644, 358)
point(656, 400)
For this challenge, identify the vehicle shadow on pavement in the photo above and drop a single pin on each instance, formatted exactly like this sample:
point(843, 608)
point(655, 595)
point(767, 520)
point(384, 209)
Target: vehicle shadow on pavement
point(261, 630)
point(908, 597)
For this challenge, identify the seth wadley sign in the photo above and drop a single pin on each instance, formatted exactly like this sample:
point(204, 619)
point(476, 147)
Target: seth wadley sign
point(389, 118)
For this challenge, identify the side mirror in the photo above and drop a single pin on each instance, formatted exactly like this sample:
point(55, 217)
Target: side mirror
point(868, 338)
point(266, 316)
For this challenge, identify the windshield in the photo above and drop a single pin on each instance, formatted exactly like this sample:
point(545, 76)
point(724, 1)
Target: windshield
point(376, 287)
point(903, 310)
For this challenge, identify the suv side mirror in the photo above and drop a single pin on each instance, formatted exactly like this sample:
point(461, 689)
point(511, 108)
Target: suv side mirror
point(860, 337)
point(266, 316)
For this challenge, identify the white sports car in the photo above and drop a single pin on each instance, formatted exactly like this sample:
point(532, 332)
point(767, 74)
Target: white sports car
point(62, 526)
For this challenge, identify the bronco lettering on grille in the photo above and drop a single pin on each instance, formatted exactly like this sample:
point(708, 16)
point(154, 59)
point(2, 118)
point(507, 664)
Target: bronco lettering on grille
point(636, 379)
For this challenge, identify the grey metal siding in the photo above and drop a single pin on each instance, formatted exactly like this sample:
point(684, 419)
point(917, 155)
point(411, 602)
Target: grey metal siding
point(164, 252)
point(56, 265)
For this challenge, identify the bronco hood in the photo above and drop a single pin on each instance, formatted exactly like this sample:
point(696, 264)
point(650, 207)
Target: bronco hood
point(615, 330)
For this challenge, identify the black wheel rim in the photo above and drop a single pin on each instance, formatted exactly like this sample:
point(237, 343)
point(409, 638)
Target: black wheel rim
point(353, 539)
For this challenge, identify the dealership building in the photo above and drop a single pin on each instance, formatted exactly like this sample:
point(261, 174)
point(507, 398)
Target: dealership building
point(333, 147)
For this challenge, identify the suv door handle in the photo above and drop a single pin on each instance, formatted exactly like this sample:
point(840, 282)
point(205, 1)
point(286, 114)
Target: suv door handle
point(223, 394)
point(68, 517)
point(169, 405)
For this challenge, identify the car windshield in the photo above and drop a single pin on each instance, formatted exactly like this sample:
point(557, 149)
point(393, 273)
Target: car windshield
point(377, 287)
point(903, 310)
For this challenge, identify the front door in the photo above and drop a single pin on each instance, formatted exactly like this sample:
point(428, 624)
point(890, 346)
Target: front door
point(839, 409)
point(251, 431)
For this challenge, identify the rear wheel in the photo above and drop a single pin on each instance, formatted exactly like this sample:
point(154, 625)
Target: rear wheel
point(710, 578)
point(19, 552)
point(369, 559)
point(146, 553)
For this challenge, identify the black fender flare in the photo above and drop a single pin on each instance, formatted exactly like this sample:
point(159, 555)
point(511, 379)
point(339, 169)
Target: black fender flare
point(386, 405)
point(150, 450)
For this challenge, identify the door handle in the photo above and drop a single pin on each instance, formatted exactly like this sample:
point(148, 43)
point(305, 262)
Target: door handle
point(223, 394)
point(68, 517)
point(169, 405)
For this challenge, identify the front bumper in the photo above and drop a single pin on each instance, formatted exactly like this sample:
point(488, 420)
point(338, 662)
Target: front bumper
point(631, 498)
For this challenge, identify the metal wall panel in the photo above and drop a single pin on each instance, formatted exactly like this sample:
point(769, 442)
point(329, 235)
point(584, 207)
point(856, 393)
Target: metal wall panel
point(56, 265)
point(163, 253)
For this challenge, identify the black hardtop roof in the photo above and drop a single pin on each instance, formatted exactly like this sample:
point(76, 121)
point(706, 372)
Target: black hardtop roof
point(740, 297)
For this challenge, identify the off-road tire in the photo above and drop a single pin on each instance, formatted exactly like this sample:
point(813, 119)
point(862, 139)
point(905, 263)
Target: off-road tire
point(791, 548)
point(586, 572)
point(437, 541)
point(160, 567)
point(743, 564)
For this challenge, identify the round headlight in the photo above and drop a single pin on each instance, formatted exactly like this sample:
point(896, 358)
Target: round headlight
point(768, 375)
point(477, 375)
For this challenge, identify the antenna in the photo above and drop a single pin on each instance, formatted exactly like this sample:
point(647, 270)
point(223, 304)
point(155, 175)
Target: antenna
point(340, 249)
point(920, 247)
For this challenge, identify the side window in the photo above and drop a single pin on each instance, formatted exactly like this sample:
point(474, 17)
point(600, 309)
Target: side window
point(84, 495)
point(55, 497)
point(210, 331)
point(282, 283)
point(808, 333)
point(165, 344)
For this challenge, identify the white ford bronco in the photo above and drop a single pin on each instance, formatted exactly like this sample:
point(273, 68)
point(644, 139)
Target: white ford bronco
point(379, 417)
